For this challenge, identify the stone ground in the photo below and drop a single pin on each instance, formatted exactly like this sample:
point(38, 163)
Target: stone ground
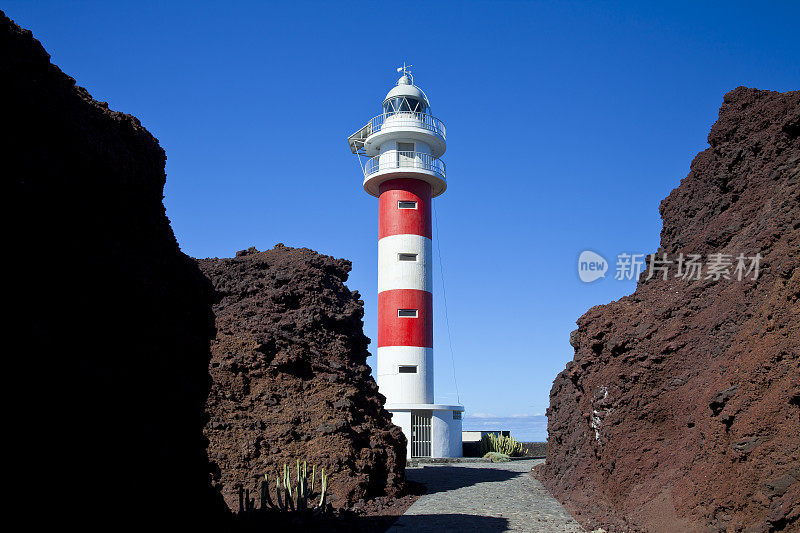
point(483, 497)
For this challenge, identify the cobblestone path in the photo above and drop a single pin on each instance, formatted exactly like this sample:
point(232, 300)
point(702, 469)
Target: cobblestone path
point(483, 497)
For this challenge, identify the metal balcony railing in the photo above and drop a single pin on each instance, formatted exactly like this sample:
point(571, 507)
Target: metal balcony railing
point(393, 159)
point(407, 119)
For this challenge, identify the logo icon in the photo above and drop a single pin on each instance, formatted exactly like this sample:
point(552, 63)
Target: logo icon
point(591, 266)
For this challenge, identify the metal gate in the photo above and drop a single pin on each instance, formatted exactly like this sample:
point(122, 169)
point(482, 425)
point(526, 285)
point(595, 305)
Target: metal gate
point(420, 433)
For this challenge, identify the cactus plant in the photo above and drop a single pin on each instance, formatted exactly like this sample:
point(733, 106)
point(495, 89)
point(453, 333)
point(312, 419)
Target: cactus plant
point(500, 444)
point(297, 496)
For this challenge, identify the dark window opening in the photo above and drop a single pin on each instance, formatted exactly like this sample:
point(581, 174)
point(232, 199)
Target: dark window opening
point(408, 369)
point(407, 148)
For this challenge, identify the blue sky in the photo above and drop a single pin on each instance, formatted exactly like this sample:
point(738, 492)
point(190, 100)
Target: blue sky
point(567, 123)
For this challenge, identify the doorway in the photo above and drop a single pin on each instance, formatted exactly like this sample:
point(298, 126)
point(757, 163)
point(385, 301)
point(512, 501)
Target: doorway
point(420, 433)
point(405, 154)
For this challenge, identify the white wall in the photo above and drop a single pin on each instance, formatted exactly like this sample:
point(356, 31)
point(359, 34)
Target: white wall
point(446, 435)
point(388, 158)
point(403, 420)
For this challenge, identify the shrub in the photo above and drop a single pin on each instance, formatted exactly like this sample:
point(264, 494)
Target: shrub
point(497, 457)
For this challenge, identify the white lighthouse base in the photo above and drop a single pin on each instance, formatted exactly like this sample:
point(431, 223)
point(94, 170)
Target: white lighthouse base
point(432, 430)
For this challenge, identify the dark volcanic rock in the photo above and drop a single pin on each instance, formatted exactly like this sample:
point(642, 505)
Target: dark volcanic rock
point(680, 409)
point(113, 321)
point(290, 379)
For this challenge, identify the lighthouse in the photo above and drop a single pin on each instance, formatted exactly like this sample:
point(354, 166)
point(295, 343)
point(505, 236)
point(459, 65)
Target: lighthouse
point(401, 151)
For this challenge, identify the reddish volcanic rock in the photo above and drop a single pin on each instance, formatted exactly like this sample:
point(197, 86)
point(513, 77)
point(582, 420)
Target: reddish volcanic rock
point(290, 379)
point(681, 408)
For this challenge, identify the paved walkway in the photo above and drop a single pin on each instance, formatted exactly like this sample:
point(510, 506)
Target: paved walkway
point(483, 497)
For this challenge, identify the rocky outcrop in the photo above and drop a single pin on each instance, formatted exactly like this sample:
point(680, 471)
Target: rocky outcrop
point(290, 378)
point(681, 408)
point(112, 321)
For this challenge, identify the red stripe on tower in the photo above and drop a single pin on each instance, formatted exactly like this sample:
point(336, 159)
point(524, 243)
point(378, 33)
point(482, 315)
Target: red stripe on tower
point(395, 221)
point(396, 330)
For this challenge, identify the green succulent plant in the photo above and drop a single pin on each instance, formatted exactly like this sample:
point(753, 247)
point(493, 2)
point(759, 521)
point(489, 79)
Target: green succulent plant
point(298, 496)
point(500, 444)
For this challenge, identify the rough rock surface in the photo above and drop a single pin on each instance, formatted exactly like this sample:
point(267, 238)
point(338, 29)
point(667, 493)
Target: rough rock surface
point(112, 321)
point(681, 408)
point(290, 379)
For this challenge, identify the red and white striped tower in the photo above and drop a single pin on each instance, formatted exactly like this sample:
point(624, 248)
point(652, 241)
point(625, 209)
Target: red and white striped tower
point(404, 170)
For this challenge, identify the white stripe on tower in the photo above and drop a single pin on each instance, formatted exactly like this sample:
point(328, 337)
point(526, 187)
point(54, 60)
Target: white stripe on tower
point(404, 262)
point(405, 388)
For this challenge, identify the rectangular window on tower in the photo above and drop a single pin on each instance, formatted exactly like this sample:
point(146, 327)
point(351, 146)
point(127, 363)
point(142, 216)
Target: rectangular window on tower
point(406, 257)
point(456, 415)
point(407, 313)
point(407, 369)
point(403, 204)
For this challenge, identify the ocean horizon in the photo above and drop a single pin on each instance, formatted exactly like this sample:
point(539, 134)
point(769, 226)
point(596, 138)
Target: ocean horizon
point(523, 427)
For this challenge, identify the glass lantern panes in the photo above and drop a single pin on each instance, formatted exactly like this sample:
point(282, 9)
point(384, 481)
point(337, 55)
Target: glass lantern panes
point(404, 104)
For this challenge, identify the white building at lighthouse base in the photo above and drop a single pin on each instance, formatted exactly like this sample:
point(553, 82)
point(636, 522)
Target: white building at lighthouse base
point(433, 430)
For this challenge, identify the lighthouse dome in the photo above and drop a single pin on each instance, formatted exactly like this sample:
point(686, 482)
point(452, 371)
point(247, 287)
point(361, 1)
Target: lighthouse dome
point(405, 96)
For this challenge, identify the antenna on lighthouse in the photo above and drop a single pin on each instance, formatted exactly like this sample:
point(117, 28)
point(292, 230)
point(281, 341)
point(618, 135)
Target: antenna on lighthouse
point(406, 70)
